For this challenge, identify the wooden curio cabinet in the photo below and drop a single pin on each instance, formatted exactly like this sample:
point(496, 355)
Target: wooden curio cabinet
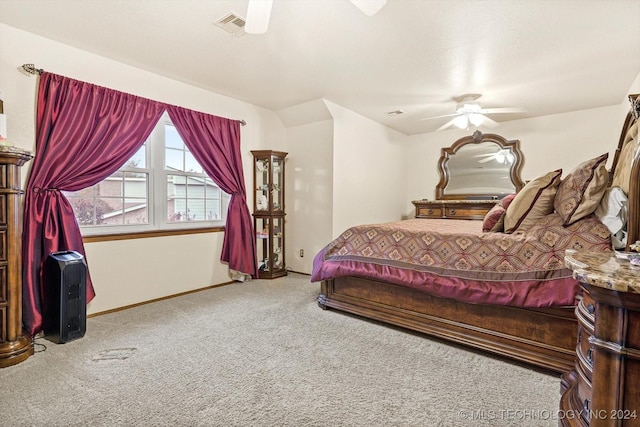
point(15, 344)
point(269, 212)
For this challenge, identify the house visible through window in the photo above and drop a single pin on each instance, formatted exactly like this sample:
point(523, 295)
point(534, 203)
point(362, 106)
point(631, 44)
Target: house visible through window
point(161, 186)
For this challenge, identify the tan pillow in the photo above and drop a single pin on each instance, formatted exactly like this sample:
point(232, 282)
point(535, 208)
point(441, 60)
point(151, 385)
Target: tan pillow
point(533, 202)
point(580, 192)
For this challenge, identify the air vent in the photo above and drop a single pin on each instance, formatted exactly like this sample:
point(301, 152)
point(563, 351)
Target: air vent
point(232, 23)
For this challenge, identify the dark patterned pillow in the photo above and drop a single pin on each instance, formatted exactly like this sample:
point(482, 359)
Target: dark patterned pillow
point(494, 219)
point(580, 192)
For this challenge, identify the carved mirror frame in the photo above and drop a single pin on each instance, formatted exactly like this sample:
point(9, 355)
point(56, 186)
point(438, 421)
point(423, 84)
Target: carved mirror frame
point(478, 138)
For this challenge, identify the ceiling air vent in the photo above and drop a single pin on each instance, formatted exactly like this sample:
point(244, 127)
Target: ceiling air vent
point(232, 23)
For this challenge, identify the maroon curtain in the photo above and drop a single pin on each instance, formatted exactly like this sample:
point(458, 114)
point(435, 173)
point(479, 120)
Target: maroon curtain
point(84, 133)
point(215, 143)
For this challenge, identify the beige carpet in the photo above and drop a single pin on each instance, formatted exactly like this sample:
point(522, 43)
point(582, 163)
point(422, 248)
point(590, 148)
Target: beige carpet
point(262, 353)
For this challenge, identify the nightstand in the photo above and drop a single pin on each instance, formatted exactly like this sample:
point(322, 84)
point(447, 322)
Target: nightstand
point(602, 389)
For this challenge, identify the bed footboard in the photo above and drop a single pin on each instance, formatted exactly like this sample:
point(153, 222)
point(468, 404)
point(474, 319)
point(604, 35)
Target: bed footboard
point(544, 337)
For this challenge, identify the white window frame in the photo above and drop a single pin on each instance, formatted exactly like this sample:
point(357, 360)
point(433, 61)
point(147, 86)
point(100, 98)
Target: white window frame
point(157, 194)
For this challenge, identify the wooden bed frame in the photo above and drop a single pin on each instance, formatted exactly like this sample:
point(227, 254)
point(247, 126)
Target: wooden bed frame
point(543, 337)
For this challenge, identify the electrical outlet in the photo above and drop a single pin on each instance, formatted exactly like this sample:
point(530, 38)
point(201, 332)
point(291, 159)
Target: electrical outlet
point(301, 253)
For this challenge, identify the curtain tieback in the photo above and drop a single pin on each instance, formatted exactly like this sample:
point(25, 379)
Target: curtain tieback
point(39, 190)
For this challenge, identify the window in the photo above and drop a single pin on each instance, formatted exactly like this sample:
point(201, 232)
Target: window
point(161, 187)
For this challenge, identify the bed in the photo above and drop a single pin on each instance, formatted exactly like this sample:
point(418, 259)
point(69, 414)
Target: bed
point(498, 284)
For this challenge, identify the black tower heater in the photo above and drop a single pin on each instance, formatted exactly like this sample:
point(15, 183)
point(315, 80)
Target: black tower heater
point(64, 282)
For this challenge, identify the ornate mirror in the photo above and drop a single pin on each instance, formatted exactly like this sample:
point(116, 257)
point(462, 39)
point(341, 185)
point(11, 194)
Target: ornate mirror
point(480, 167)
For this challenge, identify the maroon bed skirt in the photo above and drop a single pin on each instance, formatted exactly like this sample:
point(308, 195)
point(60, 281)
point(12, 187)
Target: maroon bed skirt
point(552, 292)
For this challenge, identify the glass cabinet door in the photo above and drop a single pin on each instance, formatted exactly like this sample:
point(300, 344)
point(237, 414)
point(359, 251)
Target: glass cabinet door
point(262, 234)
point(270, 247)
point(278, 244)
point(277, 186)
point(268, 212)
point(261, 184)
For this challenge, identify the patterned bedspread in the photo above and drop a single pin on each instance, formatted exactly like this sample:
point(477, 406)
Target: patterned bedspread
point(454, 258)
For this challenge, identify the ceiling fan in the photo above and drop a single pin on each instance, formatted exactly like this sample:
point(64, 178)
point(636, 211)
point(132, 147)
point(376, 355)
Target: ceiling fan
point(259, 12)
point(469, 112)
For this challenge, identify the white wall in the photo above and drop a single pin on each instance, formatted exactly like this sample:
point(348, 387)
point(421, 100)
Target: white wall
point(130, 271)
point(309, 183)
point(369, 171)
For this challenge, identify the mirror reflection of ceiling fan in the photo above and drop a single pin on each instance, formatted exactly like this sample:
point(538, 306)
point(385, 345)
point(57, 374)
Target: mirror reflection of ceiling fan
point(503, 156)
point(259, 12)
point(469, 112)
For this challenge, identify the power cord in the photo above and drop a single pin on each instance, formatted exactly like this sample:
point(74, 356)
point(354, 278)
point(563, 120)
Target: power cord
point(38, 347)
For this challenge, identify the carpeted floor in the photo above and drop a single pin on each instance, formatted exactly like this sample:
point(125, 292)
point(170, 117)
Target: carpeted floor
point(262, 353)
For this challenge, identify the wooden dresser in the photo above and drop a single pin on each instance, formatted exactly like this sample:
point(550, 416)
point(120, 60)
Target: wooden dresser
point(15, 346)
point(453, 209)
point(604, 387)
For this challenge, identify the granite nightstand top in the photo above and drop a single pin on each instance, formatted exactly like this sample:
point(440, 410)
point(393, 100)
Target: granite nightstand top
point(604, 270)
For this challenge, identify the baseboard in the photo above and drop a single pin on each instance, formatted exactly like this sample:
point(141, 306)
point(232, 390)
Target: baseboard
point(126, 307)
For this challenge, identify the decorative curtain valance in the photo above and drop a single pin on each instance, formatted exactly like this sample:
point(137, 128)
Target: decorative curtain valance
point(84, 133)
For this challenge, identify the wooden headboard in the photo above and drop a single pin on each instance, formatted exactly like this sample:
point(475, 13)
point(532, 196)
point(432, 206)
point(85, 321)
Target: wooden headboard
point(633, 224)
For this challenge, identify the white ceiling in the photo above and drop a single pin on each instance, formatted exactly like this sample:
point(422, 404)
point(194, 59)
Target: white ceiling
point(548, 56)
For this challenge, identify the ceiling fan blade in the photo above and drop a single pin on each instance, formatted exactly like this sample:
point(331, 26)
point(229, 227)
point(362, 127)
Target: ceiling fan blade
point(448, 124)
point(502, 110)
point(490, 123)
point(258, 14)
point(488, 159)
point(438, 117)
point(369, 7)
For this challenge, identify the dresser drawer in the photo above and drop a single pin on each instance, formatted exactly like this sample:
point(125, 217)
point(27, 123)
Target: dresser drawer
point(3, 245)
point(585, 352)
point(466, 212)
point(3, 210)
point(429, 212)
point(586, 313)
point(3, 284)
point(453, 209)
point(3, 324)
point(585, 391)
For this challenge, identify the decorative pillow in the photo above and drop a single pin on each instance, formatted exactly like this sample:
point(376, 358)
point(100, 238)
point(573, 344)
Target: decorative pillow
point(499, 225)
point(580, 192)
point(533, 202)
point(494, 219)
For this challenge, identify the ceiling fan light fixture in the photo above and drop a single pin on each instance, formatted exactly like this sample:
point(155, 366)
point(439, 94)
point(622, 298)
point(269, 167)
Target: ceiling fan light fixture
point(369, 7)
point(258, 15)
point(461, 122)
point(476, 119)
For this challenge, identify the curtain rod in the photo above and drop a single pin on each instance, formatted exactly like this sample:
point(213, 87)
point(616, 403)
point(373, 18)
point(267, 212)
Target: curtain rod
point(31, 69)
